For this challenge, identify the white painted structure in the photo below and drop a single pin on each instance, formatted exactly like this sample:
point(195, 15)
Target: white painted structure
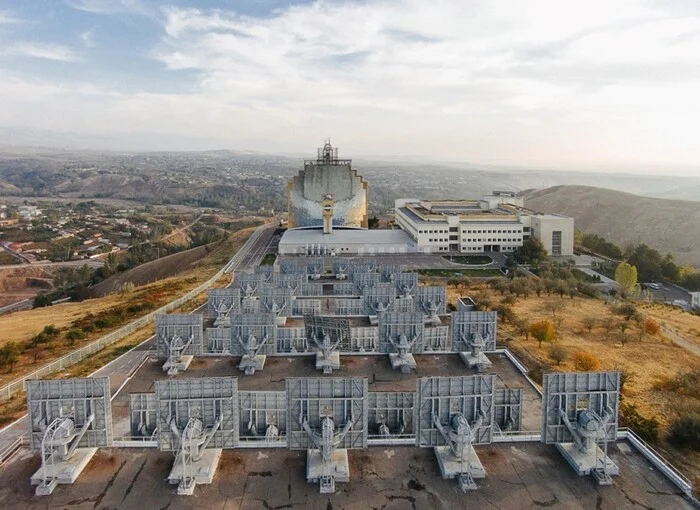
point(694, 299)
point(312, 241)
point(497, 223)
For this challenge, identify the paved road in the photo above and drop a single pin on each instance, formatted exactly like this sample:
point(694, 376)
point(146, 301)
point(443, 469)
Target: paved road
point(669, 293)
point(71, 263)
point(680, 340)
point(603, 278)
point(426, 260)
point(119, 369)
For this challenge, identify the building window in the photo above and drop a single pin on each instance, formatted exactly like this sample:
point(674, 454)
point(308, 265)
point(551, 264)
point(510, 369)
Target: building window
point(556, 243)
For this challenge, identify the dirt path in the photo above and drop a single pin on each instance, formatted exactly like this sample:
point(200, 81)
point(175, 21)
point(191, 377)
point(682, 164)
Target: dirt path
point(677, 339)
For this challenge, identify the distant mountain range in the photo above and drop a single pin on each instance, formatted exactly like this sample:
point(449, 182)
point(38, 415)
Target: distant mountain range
point(670, 226)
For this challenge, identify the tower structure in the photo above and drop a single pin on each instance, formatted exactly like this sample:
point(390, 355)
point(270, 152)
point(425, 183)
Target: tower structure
point(327, 205)
point(329, 191)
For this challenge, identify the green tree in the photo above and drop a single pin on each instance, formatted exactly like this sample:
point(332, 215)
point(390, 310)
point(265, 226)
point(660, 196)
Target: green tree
point(558, 353)
point(9, 354)
point(531, 252)
point(41, 300)
point(110, 265)
point(522, 326)
point(75, 334)
point(542, 331)
point(685, 432)
point(626, 310)
point(626, 278)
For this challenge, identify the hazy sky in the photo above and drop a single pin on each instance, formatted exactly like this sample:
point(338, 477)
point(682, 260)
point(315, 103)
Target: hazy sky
point(525, 82)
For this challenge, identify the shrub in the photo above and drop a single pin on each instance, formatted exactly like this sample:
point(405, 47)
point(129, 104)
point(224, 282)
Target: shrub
point(126, 288)
point(627, 310)
point(41, 300)
point(622, 337)
point(646, 428)
point(505, 313)
point(589, 323)
point(75, 334)
point(542, 331)
point(685, 432)
point(588, 290)
point(586, 362)
point(683, 383)
point(558, 353)
point(626, 376)
point(536, 374)
point(482, 301)
point(608, 324)
point(51, 330)
point(102, 323)
point(651, 327)
point(508, 300)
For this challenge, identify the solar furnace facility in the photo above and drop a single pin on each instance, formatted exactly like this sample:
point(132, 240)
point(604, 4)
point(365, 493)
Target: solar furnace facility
point(339, 359)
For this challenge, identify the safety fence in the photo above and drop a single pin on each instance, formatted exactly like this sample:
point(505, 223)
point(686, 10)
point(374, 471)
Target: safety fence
point(658, 462)
point(16, 386)
point(11, 449)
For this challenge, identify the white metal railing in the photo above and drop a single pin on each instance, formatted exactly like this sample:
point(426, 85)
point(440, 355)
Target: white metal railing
point(392, 441)
point(73, 357)
point(517, 436)
point(657, 460)
point(134, 442)
point(16, 306)
point(8, 452)
point(260, 442)
point(520, 367)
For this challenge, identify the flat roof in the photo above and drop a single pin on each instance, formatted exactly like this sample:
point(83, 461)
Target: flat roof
point(377, 368)
point(552, 216)
point(346, 236)
point(519, 475)
point(487, 217)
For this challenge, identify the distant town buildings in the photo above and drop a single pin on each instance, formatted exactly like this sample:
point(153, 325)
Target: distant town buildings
point(27, 213)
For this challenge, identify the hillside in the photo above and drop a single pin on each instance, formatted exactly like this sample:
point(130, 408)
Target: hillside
point(671, 226)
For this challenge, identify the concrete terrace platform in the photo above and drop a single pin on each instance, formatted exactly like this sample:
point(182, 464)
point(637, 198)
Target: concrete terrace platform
point(524, 475)
point(377, 369)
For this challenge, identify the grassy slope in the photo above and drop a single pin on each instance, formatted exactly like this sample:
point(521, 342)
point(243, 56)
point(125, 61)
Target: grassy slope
point(666, 225)
point(22, 326)
point(652, 361)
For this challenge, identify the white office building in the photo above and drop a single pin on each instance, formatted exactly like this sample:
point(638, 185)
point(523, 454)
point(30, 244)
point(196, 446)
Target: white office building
point(695, 300)
point(497, 223)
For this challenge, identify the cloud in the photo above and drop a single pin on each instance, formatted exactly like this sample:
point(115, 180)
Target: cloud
point(109, 6)
point(406, 55)
point(6, 17)
point(537, 82)
point(88, 38)
point(55, 52)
